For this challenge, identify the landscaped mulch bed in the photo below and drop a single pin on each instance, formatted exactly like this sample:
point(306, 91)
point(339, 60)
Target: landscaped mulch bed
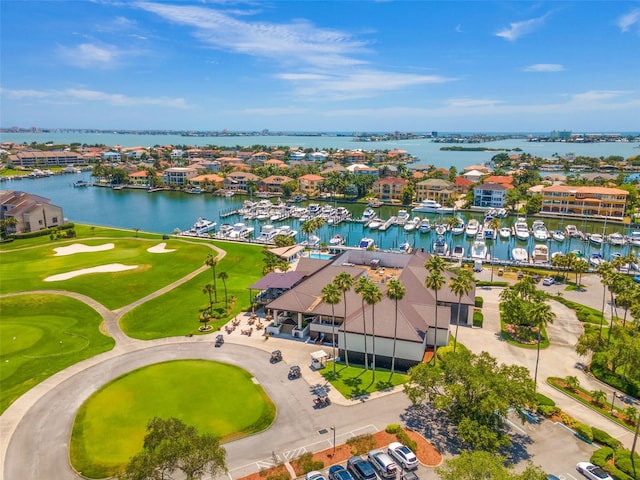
point(426, 453)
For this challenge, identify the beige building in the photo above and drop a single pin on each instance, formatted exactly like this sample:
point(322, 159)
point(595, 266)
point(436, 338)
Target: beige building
point(389, 188)
point(179, 176)
point(46, 159)
point(239, 181)
point(442, 191)
point(310, 184)
point(584, 201)
point(32, 212)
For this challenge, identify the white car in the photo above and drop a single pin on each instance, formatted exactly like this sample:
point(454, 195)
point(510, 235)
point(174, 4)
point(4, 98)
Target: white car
point(548, 281)
point(592, 472)
point(403, 455)
point(314, 475)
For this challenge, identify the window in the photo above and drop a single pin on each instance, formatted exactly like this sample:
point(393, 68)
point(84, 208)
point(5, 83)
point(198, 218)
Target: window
point(54, 219)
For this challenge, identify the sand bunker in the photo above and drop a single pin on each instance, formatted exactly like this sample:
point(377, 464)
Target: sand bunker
point(81, 248)
point(160, 249)
point(112, 267)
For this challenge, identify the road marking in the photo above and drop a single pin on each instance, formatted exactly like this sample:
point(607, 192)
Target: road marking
point(513, 425)
point(295, 453)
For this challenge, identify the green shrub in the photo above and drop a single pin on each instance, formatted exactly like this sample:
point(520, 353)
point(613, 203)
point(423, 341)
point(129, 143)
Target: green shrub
point(482, 283)
point(584, 431)
point(404, 438)
point(478, 319)
point(601, 371)
point(544, 400)
point(306, 463)
point(603, 438)
point(548, 410)
point(601, 456)
point(623, 461)
point(361, 444)
point(479, 302)
point(393, 428)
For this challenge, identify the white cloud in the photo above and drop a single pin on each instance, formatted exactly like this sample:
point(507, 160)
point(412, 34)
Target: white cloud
point(471, 103)
point(518, 29)
point(73, 94)
point(630, 19)
point(275, 111)
point(544, 67)
point(598, 95)
point(88, 55)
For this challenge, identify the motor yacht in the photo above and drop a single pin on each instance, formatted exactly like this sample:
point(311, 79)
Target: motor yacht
point(441, 229)
point(458, 251)
point(540, 232)
point(368, 214)
point(440, 247)
point(402, 217)
point(203, 226)
point(472, 228)
point(505, 233)
point(287, 231)
point(240, 230)
point(521, 229)
point(479, 250)
point(596, 259)
point(424, 226)
point(375, 223)
point(558, 236)
point(616, 239)
point(311, 241)
point(634, 238)
point(540, 254)
point(520, 255)
point(267, 234)
point(336, 240)
point(411, 224)
point(458, 229)
point(431, 206)
point(596, 239)
point(366, 243)
point(571, 231)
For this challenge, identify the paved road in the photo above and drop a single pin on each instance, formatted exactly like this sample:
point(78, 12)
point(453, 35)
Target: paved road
point(36, 429)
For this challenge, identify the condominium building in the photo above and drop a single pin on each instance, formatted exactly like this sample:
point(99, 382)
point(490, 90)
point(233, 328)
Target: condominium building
point(441, 191)
point(584, 201)
point(389, 188)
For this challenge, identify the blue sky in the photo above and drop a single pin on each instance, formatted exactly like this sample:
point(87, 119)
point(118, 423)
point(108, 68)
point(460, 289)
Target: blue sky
point(321, 66)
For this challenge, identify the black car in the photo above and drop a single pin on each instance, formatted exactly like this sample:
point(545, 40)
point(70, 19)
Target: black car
point(361, 469)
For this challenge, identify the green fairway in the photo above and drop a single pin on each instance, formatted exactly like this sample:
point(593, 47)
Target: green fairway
point(216, 398)
point(27, 269)
point(41, 335)
point(176, 312)
point(355, 381)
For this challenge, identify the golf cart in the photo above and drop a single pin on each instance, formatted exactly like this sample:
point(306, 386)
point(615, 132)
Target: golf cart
point(219, 340)
point(321, 401)
point(276, 356)
point(294, 372)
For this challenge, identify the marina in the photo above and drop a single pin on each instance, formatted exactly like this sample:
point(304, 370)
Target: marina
point(174, 212)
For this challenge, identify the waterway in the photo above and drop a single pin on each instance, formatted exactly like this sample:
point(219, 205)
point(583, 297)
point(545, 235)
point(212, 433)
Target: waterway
point(164, 212)
point(426, 151)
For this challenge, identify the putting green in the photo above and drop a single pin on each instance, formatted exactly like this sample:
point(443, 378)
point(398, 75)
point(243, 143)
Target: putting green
point(216, 398)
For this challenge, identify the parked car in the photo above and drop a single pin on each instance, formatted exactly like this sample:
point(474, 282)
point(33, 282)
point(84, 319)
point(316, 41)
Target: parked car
point(548, 281)
point(361, 469)
point(592, 472)
point(403, 455)
point(477, 266)
point(383, 463)
point(338, 472)
point(314, 475)
point(636, 278)
point(411, 475)
point(219, 340)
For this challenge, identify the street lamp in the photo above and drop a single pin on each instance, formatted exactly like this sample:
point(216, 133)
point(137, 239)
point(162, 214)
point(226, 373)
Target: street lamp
point(334, 440)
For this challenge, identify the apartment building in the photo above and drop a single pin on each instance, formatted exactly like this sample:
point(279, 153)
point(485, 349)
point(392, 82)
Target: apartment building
point(442, 191)
point(389, 188)
point(584, 201)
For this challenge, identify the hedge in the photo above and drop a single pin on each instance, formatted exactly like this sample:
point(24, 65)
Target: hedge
point(479, 302)
point(603, 438)
point(623, 462)
point(544, 400)
point(482, 283)
point(601, 456)
point(44, 231)
point(623, 470)
point(478, 319)
point(584, 431)
point(599, 368)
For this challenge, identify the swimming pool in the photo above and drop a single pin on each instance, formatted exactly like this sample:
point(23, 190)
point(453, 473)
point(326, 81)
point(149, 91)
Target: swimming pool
point(320, 256)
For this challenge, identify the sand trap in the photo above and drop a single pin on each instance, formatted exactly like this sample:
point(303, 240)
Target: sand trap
point(112, 267)
point(81, 248)
point(160, 249)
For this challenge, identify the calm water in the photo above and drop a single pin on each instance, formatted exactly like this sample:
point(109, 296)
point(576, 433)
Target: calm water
point(425, 150)
point(163, 212)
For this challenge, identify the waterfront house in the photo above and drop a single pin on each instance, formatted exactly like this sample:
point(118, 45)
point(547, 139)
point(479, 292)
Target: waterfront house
point(355, 157)
point(320, 156)
point(473, 175)
point(442, 191)
point(297, 155)
point(42, 159)
point(139, 178)
point(489, 195)
point(207, 180)
point(462, 184)
point(310, 184)
point(31, 212)
point(500, 179)
point(300, 312)
point(259, 158)
point(238, 181)
point(274, 162)
point(273, 183)
point(588, 201)
point(178, 176)
point(389, 188)
point(360, 169)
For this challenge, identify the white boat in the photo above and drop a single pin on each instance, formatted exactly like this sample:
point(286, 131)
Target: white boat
point(472, 228)
point(287, 231)
point(202, 227)
point(520, 255)
point(571, 231)
point(558, 236)
point(267, 234)
point(402, 217)
point(458, 229)
point(405, 247)
point(540, 232)
point(596, 260)
point(521, 229)
point(424, 226)
point(336, 240)
point(540, 254)
point(428, 206)
point(240, 230)
point(366, 243)
point(368, 214)
point(311, 241)
point(616, 239)
point(505, 233)
point(501, 212)
point(634, 238)
point(440, 247)
point(458, 251)
point(479, 250)
point(441, 229)
point(375, 224)
point(411, 224)
point(596, 239)
point(487, 232)
point(224, 230)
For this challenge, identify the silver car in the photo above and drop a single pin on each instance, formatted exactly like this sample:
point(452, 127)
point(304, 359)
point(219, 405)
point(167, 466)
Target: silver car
point(403, 455)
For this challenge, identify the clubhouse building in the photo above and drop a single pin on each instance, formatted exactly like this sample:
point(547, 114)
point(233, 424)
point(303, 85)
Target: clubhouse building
point(293, 300)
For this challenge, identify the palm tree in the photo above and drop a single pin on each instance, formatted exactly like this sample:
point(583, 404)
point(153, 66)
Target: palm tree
point(331, 296)
point(435, 281)
point(223, 276)
point(605, 271)
point(540, 314)
point(371, 296)
point(344, 282)
point(395, 291)
point(208, 289)
point(361, 286)
point(460, 285)
point(212, 261)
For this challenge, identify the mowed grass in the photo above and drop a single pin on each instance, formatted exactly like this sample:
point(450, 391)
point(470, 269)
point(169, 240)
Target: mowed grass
point(216, 398)
point(176, 312)
point(41, 335)
point(26, 269)
point(355, 381)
